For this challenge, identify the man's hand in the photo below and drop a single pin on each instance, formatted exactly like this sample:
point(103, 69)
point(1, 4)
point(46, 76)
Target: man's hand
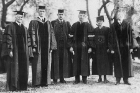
point(131, 50)
point(108, 50)
point(112, 52)
point(34, 50)
point(83, 44)
point(89, 50)
point(71, 50)
point(11, 54)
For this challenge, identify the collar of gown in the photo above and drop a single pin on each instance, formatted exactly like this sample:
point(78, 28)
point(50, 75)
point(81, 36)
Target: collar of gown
point(18, 23)
point(41, 18)
point(60, 20)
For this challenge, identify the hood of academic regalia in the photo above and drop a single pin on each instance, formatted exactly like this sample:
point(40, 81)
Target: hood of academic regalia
point(38, 19)
point(57, 20)
point(101, 28)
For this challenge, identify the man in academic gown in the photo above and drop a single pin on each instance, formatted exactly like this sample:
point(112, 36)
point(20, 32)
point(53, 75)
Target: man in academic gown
point(80, 31)
point(61, 61)
point(42, 43)
point(122, 45)
point(15, 51)
point(101, 64)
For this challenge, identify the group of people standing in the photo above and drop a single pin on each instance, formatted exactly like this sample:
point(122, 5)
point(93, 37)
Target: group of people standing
point(57, 50)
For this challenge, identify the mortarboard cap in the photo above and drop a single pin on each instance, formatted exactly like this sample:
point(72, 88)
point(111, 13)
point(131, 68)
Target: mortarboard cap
point(60, 10)
point(82, 11)
point(100, 18)
point(19, 12)
point(41, 7)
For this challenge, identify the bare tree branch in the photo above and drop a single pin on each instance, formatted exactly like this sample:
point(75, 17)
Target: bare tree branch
point(25, 1)
point(9, 3)
point(88, 12)
point(18, 4)
point(104, 4)
point(107, 13)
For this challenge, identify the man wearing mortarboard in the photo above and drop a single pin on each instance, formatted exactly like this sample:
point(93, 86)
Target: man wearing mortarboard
point(101, 64)
point(61, 61)
point(15, 50)
point(42, 43)
point(80, 31)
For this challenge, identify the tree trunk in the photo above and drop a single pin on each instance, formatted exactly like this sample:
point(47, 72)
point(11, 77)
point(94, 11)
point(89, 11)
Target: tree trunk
point(87, 7)
point(4, 12)
point(3, 17)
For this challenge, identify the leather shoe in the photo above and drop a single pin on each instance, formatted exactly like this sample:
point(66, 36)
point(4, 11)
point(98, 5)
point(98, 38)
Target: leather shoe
point(55, 81)
point(106, 81)
point(127, 83)
point(117, 83)
point(99, 80)
point(62, 81)
point(44, 85)
point(76, 82)
point(85, 81)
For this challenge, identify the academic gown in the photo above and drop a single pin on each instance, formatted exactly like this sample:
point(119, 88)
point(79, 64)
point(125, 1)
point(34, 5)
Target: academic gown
point(122, 43)
point(2, 63)
point(15, 40)
point(80, 35)
point(61, 61)
point(43, 41)
point(101, 64)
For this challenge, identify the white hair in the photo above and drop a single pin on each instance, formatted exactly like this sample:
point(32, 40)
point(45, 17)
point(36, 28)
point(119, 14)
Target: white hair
point(120, 15)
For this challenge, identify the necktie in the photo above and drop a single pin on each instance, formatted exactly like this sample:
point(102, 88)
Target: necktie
point(43, 20)
point(19, 24)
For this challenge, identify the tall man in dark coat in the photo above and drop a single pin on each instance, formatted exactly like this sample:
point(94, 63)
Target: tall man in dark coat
point(42, 43)
point(15, 50)
point(101, 64)
point(122, 45)
point(80, 31)
point(61, 61)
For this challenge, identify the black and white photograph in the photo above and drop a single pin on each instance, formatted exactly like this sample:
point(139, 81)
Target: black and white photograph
point(69, 46)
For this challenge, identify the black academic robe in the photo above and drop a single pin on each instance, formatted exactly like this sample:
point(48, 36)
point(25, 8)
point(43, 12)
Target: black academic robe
point(122, 43)
point(81, 60)
point(136, 43)
point(138, 48)
point(61, 61)
point(15, 40)
point(2, 63)
point(42, 39)
point(101, 64)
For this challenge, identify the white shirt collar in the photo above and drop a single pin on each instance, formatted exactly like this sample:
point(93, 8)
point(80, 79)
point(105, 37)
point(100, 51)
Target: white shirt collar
point(101, 27)
point(60, 20)
point(41, 18)
point(18, 23)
